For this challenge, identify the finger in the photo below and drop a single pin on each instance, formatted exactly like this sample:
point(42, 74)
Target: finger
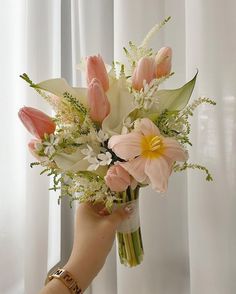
point(104, 212)
point(120, 215)
point(89, 207)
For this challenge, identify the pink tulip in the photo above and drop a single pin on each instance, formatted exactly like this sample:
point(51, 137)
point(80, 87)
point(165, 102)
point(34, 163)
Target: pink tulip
point(163, 62)
point(144, 71)
point(32, 148)
point(36, 122)
point(96, 69)
point(117, 178)
point(98, 102)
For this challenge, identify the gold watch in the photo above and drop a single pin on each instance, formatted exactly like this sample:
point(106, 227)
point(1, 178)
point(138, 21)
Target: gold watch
point(67, 279)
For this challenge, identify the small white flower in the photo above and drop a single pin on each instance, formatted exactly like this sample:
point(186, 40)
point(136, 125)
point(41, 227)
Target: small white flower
point(88, 152)
point(127, 125)
point(94, 163)
point(50, 145)
point(105, 159)
point(128, 122)
point(102, 136)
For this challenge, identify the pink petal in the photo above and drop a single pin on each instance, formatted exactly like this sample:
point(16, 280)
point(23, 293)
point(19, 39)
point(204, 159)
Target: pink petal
point(126, 146)
point(147, 127)
point(158, 172)
point(136, 168)
point(174, 151)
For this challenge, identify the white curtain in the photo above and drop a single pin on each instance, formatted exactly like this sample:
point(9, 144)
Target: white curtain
point(189, 235)
point(29, 219)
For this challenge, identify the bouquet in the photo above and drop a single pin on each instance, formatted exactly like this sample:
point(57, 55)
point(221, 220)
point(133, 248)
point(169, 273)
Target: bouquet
point(117, 135)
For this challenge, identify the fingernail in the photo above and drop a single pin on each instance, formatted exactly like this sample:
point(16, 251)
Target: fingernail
point(129, 208)
point(101, 212)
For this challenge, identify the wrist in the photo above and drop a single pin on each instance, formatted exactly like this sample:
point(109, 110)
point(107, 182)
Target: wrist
point(83, 270)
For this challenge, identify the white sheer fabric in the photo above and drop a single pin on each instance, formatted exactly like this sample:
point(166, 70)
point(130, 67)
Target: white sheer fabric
point(189, 235)
point(30, 42)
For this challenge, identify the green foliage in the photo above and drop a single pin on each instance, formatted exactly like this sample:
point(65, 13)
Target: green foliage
point(34, 164)
point(186, 165)
point(188, 111)
point(26, 78)
point(76, 104)
point(172, 124)
point(176, 123)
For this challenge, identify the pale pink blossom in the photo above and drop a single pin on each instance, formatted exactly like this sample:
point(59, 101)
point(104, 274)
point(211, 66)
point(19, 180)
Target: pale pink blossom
point(117, 178)
point(99, 105)
point(145, 71)
point(36, 122)
point(32, 148)
point(96, 69)
point(149, 156)
point(163, 62)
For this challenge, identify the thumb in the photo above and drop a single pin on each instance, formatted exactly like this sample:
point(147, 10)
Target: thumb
point(120, 215)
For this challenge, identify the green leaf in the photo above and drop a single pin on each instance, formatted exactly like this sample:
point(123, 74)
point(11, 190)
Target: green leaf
point(59, 86)
point(176, 99)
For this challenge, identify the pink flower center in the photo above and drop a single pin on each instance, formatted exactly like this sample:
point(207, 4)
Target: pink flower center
point(152, 146)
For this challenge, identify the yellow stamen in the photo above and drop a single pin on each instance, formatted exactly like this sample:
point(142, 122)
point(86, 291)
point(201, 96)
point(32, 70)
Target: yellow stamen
point(152, 146)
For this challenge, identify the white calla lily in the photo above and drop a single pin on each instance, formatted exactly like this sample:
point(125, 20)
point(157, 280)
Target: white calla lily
point(71, 162)
point(121, 102)
point(59, 86)
point(175, 99)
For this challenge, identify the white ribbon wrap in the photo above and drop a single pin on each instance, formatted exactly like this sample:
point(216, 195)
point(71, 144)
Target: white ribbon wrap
point(133, 222)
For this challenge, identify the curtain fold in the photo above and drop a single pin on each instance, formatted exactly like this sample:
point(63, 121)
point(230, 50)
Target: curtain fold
point(189, 236)
point(211, 46)
point(12, 172)
point(163, 219)
point(30, 42)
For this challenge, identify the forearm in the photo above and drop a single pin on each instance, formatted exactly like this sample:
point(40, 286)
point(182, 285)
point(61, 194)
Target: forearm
point(83, 267)
point(54, 287)
point(94, 236)
point(80, 271)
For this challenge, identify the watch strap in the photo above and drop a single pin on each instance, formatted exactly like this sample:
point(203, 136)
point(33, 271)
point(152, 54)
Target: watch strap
point(67, 279)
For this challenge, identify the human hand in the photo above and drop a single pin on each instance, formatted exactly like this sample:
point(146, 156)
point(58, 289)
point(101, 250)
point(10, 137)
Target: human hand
point(93, 239)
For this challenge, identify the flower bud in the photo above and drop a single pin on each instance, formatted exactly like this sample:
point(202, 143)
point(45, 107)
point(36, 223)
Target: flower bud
point(117, 178)
point(32, 148)
point(97, 101)
point(163, 62)
point(36, 122)
point(143, 71)
point(96, 69)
